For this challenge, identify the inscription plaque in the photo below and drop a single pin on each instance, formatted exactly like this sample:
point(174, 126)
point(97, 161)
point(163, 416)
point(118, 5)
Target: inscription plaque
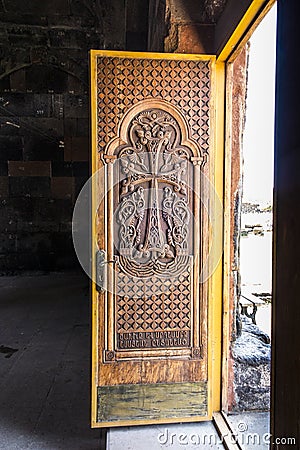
point(153, 339)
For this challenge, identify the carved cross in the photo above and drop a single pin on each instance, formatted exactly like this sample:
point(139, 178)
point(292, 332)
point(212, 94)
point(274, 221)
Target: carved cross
point(154, 155)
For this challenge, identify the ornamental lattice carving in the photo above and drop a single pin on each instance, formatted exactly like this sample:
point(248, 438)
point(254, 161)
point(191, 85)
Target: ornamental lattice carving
point(122, 82)
point(153, 313)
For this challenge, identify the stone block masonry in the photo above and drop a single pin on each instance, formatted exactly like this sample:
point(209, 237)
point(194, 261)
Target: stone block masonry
point(44, 126)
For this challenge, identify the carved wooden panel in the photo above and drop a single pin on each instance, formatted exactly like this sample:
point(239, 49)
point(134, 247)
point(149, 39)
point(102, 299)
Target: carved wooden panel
point(154, 157)
point(156, 208)
point(153, 139)
point(154, 230)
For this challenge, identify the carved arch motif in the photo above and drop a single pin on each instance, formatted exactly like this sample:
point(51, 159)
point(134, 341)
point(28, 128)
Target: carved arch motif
point(154, 214)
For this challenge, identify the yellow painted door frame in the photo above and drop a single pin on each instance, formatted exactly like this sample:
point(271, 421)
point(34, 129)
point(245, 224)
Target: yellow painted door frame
point(214, 290)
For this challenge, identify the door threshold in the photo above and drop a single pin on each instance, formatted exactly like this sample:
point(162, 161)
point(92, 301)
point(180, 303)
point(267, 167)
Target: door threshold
point(225, 432)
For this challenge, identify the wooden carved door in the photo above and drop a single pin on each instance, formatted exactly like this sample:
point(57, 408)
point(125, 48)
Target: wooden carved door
point(151, 115)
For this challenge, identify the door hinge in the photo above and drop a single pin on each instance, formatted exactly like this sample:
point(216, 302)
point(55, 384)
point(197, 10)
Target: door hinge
point(101, 270)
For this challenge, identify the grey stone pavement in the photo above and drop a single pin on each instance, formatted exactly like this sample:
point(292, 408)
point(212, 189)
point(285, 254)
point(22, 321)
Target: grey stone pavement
point(44, 385)
point(252, 429)
point(189, 436)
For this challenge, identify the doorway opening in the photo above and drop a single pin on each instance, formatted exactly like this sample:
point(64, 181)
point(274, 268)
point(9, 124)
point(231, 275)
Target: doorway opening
point(258, 155)
point(248, 395)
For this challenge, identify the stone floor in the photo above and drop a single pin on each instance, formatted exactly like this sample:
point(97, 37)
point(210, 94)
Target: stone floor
point(251, 429)
point(45, 372)
point(186, 436)
point(44, 387)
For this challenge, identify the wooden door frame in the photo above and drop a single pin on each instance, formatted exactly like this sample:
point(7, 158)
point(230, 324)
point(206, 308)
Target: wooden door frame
point(215, 281)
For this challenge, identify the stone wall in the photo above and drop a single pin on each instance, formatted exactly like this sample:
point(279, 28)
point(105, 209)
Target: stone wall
point(236, 96)
point(44, 118)
point(191, 25)
point(157, 25)
point(252, 366)
point(137, 24)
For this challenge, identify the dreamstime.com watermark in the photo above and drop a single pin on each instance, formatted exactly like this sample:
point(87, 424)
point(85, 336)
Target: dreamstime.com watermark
point(243, 437)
